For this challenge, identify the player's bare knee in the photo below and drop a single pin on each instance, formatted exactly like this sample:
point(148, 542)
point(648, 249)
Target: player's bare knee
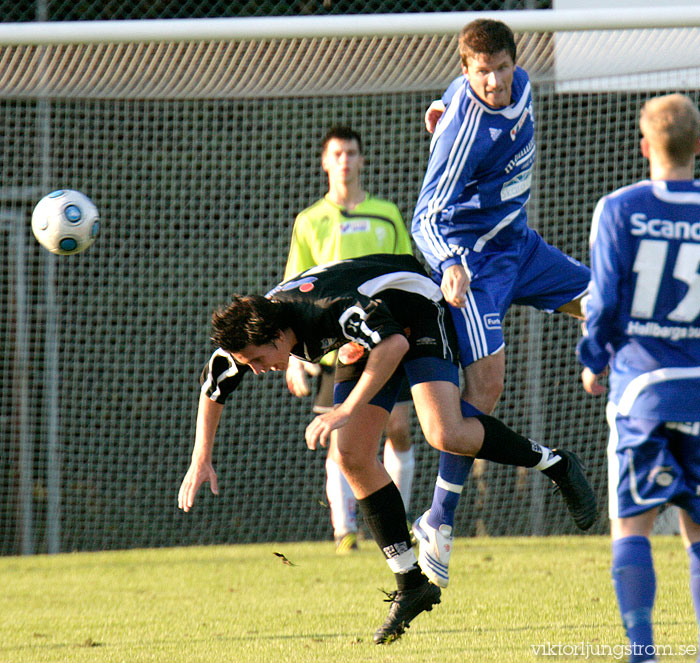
point(451, 440)
point(399, 435)
point(351, 461)
point(486, 394)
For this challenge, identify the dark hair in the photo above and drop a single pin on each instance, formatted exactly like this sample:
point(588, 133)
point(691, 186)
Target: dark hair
point(341, 133)
point(248, 320)
point(485, 36)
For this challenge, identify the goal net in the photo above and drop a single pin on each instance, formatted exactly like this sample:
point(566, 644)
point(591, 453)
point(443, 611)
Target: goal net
point(199, 143)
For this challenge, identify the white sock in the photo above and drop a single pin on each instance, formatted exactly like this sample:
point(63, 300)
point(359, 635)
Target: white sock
point(340, 499)
point(400, 466)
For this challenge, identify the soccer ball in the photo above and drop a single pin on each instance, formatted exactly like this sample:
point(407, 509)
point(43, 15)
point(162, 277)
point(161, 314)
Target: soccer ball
point(65, 222)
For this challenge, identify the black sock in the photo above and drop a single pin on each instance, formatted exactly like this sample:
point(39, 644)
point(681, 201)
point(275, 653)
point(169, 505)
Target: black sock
point(503, 445)
point(385, 516)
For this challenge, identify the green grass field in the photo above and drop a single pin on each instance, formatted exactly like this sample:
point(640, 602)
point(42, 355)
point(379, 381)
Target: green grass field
point(243, 604)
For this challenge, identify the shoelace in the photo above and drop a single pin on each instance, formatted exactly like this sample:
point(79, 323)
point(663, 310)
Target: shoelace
point(390, 596)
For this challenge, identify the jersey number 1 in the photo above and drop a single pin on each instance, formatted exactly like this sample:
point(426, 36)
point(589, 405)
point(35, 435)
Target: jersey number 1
point(649, 266)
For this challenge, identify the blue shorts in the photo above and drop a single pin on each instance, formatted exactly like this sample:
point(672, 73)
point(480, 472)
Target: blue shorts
point(531, 273)
point(651, 463)
point(422, 369)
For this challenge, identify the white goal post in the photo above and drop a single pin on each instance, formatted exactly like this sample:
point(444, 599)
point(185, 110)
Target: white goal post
point(319, 27)
point(199, 142)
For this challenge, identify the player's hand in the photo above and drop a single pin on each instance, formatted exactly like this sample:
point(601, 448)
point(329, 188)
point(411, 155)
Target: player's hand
point(455, 282)
point(433, 114)
point(297, 376)
point(198, 473)
point(319, 430)
point(591, 381)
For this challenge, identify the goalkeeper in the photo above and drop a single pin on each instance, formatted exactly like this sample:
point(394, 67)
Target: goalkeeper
point(348, 223)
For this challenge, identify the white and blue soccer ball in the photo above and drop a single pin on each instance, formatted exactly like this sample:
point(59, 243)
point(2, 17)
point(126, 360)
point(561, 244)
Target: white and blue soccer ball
point(65, 222)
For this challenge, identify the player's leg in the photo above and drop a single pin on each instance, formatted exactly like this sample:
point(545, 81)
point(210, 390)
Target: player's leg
point(450, 425)
point(480, 342)
point(483, 385)
point(643, 474)
point(634, 580)
point(399, 459)
point(382, 508)
point(548, 279)
point(483, 381)
point(340, 497)
point(690, 534)
point(357, 444)
point(688, 453)
point(341, 501)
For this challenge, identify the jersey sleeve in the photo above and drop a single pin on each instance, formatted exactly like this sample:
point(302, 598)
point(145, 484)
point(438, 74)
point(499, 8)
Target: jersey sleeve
point(602, 333)
point(300, 257)
point(451, 89)
point(221, 376)
point(368, 322)
point(458, 147)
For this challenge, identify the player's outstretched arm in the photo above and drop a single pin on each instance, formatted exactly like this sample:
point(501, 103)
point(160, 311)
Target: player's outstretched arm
point(383, 360)
point(201, 468)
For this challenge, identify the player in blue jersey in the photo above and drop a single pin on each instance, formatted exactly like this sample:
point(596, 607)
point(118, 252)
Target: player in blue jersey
point(643, 322)
point(470, 224)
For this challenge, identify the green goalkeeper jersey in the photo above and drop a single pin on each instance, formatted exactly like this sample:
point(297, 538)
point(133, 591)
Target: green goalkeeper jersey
point(326, 232)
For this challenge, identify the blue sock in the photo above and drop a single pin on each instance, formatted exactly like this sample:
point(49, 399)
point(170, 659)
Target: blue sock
point(635, 585)
point(694, 555)
point(452, 475)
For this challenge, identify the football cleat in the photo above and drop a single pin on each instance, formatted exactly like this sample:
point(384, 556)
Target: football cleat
point(435, 548)
point(405, 606)
point(577, 492)
point(346, 543)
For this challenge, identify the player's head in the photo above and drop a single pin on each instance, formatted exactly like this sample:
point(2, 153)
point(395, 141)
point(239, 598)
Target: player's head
point(341, 156)
point(487, 50)
point(670, 128)
point(255, 331)
point(485, 36)
point(341, 133)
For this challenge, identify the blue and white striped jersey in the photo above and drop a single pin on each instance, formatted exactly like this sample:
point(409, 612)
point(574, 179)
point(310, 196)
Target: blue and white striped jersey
point(478, 176)
point(642, 313)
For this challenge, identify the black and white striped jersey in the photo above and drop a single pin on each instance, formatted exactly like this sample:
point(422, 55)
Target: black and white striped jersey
point(360, 300)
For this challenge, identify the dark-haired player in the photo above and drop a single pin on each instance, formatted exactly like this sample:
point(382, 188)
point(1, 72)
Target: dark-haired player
point(391, 320)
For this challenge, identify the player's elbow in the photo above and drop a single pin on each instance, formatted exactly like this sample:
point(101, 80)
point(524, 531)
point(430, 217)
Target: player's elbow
point(399, 344)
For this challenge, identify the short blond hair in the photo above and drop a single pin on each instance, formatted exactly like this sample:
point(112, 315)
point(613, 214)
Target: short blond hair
point(671, 123)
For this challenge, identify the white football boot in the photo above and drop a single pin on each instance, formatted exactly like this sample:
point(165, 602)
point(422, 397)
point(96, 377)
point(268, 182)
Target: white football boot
point(435, 547)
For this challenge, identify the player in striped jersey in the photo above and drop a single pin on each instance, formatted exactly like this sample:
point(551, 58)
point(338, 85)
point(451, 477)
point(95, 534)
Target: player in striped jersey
point(470, 223)
point(347, 223)
point(643, 320)
point(388, 319)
